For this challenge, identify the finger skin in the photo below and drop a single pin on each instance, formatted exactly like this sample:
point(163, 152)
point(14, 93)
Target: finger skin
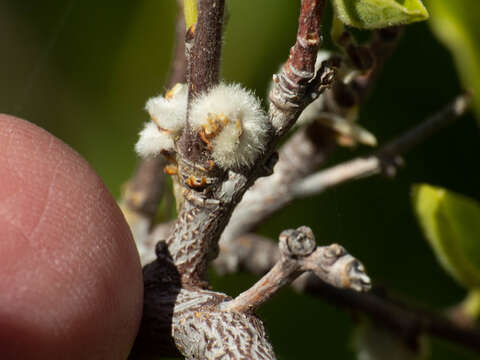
point(70, 278)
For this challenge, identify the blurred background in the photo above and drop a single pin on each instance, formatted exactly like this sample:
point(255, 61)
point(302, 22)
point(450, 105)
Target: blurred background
point(83, 70)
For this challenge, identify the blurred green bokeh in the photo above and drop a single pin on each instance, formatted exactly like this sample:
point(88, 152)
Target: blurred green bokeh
point(84, 69)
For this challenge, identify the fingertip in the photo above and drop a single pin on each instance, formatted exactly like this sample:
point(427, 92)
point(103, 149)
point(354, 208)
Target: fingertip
point(70, 277)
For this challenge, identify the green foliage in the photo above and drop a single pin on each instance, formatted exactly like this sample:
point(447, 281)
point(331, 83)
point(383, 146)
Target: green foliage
point(471, 305)
point(456, 24)
point(451, 223)
point(374, 14)
point(374, 343)
point(190, 11)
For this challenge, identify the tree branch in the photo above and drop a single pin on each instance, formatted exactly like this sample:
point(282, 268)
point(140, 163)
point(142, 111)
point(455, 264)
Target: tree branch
point(299, 254)
point(387, 158)
point(175, 294)
point(211, 194)
point(407, 321)
point(292, 180)
point(300, 156)
point(204, 58)
point(144, 191)
point(306, 150)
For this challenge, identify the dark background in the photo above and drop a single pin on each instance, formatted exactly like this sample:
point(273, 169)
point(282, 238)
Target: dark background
point(83, 70)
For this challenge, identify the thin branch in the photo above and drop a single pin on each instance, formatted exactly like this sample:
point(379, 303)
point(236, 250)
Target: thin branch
point(287, 98)
point(422, 132)
point(250, 253)
point(306, 150)
point(176, 295)
point(143, 192)
point(159, 233)
point(178, 72)
point(204, 58)
point(300, 156)
point(383, 44)
point(299, 254)
point(325, 179)
point(406, 321)
point(191, 250)
point(211, 195)
point(387, 158)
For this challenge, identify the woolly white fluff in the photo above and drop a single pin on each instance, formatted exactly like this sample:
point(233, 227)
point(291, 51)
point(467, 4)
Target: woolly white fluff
point(152, 141)
point(232, 119)
point(169, 111)
point(168, 114)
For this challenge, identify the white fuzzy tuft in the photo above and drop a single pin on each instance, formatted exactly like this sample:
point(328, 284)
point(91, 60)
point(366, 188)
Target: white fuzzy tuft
point(232, 122)
point(169, 111)
point(153, 141)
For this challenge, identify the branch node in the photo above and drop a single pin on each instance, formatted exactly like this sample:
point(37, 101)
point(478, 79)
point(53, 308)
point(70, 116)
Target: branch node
point(331, 264)
point(297, 243)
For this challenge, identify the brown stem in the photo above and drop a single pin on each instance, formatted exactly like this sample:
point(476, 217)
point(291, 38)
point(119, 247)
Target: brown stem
point(291, 84)
point(304, 53)
point(423, 131)
point(204, 57)
point(303, 153)
point(178, 72)
point(406, 321)
point(387, 159)
point(178, 276)
point(144, 190)
point(207, 210)
point(203, 68)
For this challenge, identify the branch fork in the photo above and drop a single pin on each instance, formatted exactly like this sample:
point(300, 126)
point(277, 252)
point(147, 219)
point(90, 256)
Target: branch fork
point(299, 254)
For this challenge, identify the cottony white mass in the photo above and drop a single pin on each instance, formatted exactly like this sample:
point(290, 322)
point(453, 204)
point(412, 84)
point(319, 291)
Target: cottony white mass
point(153, 141)
point(168, 115)
point(169, 112)
point(231, 121)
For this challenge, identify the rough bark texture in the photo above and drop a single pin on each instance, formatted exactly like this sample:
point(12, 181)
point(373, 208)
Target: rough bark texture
point(176, 297)
point(181, 314)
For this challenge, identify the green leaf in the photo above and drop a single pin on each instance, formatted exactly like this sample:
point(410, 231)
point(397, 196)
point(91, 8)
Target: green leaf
point(374, 14)
point(451, 223)
point(372, 342)
point(471, 305)
point(456, 24)
point(190, 12)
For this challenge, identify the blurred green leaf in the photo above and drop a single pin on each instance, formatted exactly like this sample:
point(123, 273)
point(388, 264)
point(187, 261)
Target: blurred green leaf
point(374, 14)
point(451, 223)
point(372, 342)
point(455, 23)
point(471, 305)
point(190, 10)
